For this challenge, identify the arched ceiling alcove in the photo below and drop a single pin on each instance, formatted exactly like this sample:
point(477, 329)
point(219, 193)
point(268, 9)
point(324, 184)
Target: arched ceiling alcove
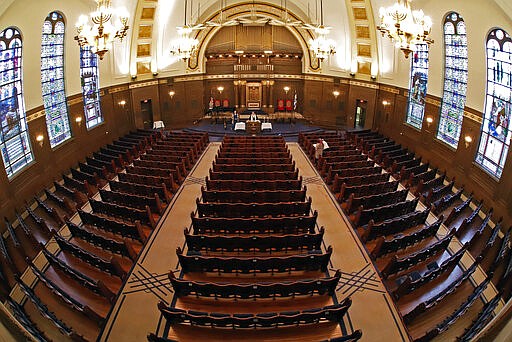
point(258, 15)
point(253, 39)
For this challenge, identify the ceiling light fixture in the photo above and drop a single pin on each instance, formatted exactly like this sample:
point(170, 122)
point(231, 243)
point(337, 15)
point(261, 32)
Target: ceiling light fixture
point(404, 26)
point(185, 45)
point(101, 34)
point(321, 46)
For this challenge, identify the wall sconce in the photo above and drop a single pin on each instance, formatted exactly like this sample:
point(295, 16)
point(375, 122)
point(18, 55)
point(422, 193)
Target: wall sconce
point(335, 93)
point(40, 139)
point(386, 103)
point(78, 120)
point(122, 103)
point(373, 77)
point(352, 73)
point(468, 140)
point(429, 120)
point(286, 89)
point(155, 73)
point(220, 89)
point(134, 77)
point(171, 94)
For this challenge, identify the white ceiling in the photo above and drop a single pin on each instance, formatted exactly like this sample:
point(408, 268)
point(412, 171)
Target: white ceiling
point(506, 5)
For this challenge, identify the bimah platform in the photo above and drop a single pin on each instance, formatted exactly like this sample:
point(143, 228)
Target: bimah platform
point(253, 127)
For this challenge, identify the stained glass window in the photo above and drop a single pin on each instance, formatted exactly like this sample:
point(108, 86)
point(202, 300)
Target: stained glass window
point(14, 139)
point(418, 86)
point(455, 79)
point(90, 87)
point(495, 132)
point(52, 79)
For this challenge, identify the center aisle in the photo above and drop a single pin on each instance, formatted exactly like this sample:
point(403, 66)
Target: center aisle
point(372, 309)
point(135, 313)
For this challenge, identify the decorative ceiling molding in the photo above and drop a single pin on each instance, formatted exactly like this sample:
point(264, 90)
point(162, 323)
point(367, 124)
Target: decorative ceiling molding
point(389, 89)
point(117, 89)
point(364, 84)
point(474, 117)
point(265, 10)
point(255, 76)
point(143, 84)
point(364, 40)
point(144, 38)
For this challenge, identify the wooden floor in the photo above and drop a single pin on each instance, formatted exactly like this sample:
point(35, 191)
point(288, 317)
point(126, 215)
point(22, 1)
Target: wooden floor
point(135, 313)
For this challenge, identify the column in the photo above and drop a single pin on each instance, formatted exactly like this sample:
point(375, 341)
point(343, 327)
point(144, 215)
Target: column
point(242, 96)
point(271, 97)
point(237, 102)
point(264, 97)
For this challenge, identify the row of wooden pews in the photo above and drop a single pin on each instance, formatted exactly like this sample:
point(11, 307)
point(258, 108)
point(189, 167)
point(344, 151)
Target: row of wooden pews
point(75, 244)
point(420, 267)
point(254, 261)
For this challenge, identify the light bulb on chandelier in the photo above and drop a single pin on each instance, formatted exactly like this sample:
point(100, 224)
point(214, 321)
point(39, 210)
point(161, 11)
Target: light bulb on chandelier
point(102, 32)
point(185, 45)
point(405, 26)
point(321, 46)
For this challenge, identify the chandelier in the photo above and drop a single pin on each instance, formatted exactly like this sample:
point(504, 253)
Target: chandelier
point(404, 26)
point(321, 46)
point(185, 45)
point(101, 34)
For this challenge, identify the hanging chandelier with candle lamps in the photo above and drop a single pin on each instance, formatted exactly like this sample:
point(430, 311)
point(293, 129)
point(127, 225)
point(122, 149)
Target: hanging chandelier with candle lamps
point(103, 31)
point(321, 46)
point(404, 26)
point(185, 45)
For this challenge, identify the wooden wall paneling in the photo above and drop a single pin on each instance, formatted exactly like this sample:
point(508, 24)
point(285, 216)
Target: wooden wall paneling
point(312, 100)
point(361, 93)
point(195, 99)
point(329, 103)
point(177, 106)
point(51, 163)
point(167, 103)
point(139, 94)
point(458, 163)
point(123, 112)
point(383, 111)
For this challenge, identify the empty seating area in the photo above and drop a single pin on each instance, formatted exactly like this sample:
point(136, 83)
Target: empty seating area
point(254, 261)
point(66, 256)
point(417, 225)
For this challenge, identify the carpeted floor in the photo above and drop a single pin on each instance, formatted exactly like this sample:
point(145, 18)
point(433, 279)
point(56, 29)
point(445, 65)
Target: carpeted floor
point(290, 131)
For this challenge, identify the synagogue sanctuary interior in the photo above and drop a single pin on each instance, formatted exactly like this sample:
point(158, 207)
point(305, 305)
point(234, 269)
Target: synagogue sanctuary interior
point(255, 170)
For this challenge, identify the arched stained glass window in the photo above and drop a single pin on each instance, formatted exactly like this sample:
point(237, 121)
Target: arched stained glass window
point(14, 139)
point(418, 86)
point(90, 87)
point(52, 79)
point(455, 79)
point(495, 132)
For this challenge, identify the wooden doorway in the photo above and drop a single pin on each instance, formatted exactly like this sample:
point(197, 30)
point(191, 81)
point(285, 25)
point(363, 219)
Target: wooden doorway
point(360, 115)
point(146, 112)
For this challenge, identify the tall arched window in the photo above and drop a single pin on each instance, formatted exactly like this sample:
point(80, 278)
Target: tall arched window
point(52, 79)
point(14, 139)
point(418, 86)
point(90, 87)
point(495, 132)
point(455, 79)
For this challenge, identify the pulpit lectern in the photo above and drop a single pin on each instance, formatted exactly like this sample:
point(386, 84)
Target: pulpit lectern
point(253, 127)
